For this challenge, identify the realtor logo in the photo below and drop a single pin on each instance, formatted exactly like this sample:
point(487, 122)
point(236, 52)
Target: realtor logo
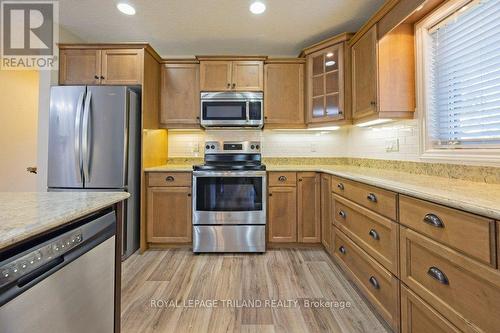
point(29, 32)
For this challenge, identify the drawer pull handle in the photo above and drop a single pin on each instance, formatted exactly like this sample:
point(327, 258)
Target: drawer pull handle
point(374, 282)
point(342, 214)
point(437, 274)
point(170, 179)
point(372, 197)
point(374, 234)
point(342, 250)
point(340, 186)
point(282, 178)
point(189, 194)
point(433, 220)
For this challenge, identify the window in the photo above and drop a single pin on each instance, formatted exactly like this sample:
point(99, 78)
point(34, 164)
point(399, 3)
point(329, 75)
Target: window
point(458, 77)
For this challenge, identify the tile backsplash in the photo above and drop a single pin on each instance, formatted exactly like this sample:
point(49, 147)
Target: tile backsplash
point(396, 141)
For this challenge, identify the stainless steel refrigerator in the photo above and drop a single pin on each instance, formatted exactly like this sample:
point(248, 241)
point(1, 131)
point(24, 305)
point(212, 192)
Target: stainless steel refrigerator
point(94, 145)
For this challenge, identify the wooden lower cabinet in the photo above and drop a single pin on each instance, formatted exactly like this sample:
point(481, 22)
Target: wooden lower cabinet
point(326, 216)
point(464, 291)
point(282, 214)
point(419, 317)
point(308, 212)
point(169, 215)
point(375, 282)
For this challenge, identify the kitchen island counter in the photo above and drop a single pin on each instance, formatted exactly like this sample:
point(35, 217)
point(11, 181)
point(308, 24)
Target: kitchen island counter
point(26, 214)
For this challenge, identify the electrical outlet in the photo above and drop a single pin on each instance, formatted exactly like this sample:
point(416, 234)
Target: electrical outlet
point(392, 145)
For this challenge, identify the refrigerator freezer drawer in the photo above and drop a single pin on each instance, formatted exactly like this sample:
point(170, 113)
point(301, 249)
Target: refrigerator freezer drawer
point(229, 238)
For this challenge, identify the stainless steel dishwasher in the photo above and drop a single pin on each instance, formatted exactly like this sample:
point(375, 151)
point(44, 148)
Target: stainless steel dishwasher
point(63, 282)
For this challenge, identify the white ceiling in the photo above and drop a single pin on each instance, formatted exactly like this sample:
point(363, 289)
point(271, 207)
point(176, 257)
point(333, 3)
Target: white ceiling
point(201, 27)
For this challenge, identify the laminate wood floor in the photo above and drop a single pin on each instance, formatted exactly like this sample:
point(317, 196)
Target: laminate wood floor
point(175, 291)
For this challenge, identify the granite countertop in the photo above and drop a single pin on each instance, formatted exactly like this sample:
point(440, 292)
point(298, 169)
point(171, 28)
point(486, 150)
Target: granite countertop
point(475, 197)
point(26, 214)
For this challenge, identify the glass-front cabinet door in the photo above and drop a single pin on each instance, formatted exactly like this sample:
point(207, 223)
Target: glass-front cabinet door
point(325, 85)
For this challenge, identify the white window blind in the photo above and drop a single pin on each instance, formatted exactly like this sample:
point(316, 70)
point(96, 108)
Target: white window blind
point(464, 78)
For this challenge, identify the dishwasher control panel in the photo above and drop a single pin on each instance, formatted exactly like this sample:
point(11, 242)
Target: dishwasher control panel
point(19, 266)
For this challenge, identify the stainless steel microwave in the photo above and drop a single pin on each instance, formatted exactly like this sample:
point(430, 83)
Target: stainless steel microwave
point(232, 109)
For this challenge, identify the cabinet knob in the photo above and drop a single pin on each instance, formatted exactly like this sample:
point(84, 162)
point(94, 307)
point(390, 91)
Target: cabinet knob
point(374, 234)
point(169, 179)
point(438, 275)
point(300, 179)
point(340, 186)
point(282, 178)
point(189, 194)
point(270, 194)
point(433, 220)
point(265, 117)
point(373, 103)
point(229, 85)
point(342, 214)
point(198, 117)
point(234, 85)
point(371, 197)
point(96, 77)
point(102, 77)
point(342, 249)
point(373, 281)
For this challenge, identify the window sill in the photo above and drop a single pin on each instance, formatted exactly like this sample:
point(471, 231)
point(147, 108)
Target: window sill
point(482, 157)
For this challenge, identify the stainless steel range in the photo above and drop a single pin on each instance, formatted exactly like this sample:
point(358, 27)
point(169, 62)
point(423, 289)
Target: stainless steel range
point(229, 203)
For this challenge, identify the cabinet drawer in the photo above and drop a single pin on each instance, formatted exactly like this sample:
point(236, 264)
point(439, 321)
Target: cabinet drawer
point(377, 283)
point(419, 317)
point(375, 234)
point(169, 179)
point(282, 178)
point(466, 292)
point(473, 235)
point(374, 198)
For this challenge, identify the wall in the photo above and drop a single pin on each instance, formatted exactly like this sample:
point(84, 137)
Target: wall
point(274, 143)
point(18, 130)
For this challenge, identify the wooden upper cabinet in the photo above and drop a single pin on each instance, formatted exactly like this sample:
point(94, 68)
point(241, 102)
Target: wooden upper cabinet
point(247, 76)
point(228, 75)
point(79, 66)
point(282, 214)
point(364, 75)
point(180, 96)
point(328, 76)
point(215, 75)
point(121, 66)
point(308, 213)
point(82, 64)
point(383, 74)
point(284, 94)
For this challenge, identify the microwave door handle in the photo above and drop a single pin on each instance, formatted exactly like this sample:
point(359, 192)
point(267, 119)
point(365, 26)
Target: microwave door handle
point(248, 110)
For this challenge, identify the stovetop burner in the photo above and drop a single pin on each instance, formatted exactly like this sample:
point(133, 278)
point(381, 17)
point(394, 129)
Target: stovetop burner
point(229, 167)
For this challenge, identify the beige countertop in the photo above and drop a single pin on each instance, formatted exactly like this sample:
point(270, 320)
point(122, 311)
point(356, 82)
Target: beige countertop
point(26, 214)
point(475, 197)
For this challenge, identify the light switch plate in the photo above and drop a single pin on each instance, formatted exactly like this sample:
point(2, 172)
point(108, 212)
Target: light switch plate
point(392, 145)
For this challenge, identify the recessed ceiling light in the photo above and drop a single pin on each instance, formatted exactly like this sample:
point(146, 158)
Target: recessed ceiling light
point(125, 8)
point(329, 55)
point(330, 63)
point(257, 7)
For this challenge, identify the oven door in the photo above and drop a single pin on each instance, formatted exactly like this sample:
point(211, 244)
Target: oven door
point(229, 197)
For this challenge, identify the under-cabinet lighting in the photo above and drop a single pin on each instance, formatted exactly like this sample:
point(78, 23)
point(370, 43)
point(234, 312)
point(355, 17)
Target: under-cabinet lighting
point(330, 63)
point(374, 122)
point(125, 8)
point(325, 128)
point(329, 55)
point(257, 7)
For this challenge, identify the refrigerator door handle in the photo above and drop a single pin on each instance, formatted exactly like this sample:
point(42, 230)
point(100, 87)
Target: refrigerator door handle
point(86, 137)
point(78, 123)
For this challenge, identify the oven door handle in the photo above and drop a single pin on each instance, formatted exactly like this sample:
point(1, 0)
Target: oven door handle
point(247, 110)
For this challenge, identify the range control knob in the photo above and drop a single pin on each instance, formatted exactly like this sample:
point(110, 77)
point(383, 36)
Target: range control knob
point(207, 147)
point(212, 146)
point(252, 147)
point(257, 147)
